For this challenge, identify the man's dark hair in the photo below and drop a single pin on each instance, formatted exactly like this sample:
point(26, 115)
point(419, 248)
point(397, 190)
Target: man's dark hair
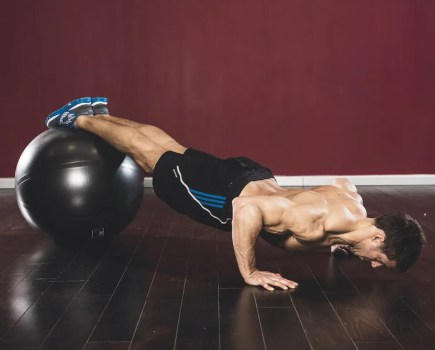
point(404, 238)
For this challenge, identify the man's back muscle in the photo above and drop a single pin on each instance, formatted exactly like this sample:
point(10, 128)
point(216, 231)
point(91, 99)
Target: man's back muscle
point(306, 216)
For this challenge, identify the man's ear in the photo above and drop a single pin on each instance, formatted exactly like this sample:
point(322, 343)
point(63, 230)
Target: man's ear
point(378, 235)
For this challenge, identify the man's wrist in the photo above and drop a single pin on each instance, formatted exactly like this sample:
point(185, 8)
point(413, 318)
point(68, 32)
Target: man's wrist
point(248, 274)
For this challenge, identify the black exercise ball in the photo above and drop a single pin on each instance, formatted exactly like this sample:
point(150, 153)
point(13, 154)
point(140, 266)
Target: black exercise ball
point(74, 186)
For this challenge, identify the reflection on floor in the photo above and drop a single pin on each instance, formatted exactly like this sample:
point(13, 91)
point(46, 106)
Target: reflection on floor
point(167, 282)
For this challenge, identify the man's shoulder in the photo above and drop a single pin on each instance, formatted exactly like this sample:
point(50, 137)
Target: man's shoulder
point(345, 184)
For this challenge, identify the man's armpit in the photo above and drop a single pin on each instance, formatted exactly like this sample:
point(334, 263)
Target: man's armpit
point(277, 240)
point(286, 241)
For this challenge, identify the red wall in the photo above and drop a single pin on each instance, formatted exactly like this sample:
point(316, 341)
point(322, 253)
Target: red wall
point(307, 87)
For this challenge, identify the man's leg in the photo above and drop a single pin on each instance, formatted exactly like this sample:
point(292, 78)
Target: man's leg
point(144, 143)
point(154, 133)
point(127, 139)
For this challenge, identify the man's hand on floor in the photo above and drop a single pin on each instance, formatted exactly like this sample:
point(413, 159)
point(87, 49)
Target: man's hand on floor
point(268, 280)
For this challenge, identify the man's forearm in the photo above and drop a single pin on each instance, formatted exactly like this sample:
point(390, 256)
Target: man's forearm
point(247, 225)
point(245, 259)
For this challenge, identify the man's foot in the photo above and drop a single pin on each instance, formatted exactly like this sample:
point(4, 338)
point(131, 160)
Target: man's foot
point(67, 115)
point(99, 105)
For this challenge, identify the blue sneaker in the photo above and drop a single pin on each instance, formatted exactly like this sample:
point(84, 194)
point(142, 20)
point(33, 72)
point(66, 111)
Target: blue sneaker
point(67, 115)
point(99, 105)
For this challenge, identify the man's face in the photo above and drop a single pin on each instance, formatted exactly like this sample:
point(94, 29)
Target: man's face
point(370, 250)
point(376, 259)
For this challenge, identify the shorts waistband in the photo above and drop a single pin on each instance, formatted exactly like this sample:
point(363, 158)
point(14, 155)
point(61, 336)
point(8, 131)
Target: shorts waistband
point(254, 175)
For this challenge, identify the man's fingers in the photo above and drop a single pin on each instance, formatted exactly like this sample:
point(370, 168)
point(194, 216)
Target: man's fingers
point(291, 284)
point(266, 286)
point(269, 280)
point(281, 283)
point(286, 282)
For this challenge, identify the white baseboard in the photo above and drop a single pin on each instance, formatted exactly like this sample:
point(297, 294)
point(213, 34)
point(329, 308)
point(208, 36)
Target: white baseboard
point(358, 180)
point(302, 181)
point(148, 182)
point(7, 182)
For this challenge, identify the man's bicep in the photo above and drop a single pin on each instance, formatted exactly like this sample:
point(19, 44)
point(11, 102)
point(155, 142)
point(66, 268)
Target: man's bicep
point(246, 215)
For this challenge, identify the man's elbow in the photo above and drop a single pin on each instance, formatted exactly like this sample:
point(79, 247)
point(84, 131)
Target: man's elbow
point(246, 212)
point(240, 204)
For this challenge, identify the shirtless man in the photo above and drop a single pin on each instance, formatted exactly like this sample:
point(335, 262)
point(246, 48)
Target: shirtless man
point(242, 196)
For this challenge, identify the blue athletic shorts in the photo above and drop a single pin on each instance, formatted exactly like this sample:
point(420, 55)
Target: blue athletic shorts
point(203, 186)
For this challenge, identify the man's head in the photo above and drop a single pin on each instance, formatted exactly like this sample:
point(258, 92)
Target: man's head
point(396, 241)
point(404, 238)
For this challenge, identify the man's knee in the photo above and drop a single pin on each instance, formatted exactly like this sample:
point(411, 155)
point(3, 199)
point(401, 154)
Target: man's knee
point(146, 152)
point(174, 146)
point(161, 138)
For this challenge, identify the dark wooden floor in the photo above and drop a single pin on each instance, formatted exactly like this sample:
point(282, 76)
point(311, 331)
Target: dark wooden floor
point(167, 283)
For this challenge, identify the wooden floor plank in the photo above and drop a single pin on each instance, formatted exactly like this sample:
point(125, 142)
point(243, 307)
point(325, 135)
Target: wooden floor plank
point(107, 345)
point(360, 319)
point(76, 324)
point(129, 297)
point(159, 321)
point(407, 327)
point(319, 320)
point(37, 321)
point(276, 321)
point(378, 346)
point(198, 326)
point(239, 321)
